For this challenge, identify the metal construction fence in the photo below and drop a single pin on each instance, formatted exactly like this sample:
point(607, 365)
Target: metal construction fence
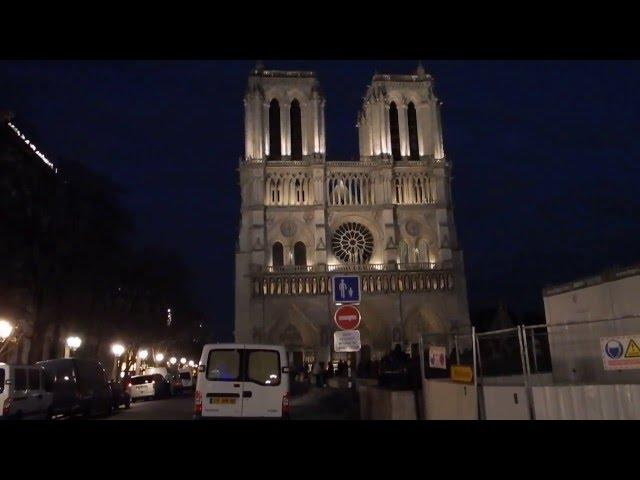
point(583, 369)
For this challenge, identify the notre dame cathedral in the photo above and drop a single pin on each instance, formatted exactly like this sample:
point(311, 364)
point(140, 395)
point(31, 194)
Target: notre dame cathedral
point(386, 217)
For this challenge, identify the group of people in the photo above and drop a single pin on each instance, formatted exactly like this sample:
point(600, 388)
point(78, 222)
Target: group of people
point(321, 372)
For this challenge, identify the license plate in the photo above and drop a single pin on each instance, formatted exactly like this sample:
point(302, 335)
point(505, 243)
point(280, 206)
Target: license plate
point(223, 401)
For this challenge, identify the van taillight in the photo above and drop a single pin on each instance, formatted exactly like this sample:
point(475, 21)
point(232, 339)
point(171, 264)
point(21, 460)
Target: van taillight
point(198, 406)
point(285, 404)
point(6, 407)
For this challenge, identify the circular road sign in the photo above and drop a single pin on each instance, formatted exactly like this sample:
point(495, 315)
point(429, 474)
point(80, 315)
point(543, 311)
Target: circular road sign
point(347, 317)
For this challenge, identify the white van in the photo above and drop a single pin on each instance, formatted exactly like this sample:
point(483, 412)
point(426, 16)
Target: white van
point(186, 378)
point(23, 392)
point(237, 380)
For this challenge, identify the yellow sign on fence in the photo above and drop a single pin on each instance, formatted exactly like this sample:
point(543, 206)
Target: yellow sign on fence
point(461, 373)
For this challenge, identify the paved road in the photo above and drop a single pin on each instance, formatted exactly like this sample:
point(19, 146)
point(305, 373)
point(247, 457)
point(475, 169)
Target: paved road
point(177, 408)
point(316, 404)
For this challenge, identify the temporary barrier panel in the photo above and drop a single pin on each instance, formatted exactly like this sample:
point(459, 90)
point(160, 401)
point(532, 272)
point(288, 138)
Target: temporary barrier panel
point(587, 402)
point(505, 402)
point(447, 400)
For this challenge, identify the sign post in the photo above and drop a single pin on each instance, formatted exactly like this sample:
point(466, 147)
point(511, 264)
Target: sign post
point(346, 293)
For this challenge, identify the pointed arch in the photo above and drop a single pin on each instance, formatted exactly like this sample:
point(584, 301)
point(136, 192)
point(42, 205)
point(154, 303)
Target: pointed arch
point(403, 252)
point(300, 254)
point(296, 130)
point(423, 251)
point(394, 130)
point(412, 123)
point(275, 152)
point(277, 255)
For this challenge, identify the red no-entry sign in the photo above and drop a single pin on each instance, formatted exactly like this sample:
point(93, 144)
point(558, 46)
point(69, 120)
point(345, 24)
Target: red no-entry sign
point(347, 317)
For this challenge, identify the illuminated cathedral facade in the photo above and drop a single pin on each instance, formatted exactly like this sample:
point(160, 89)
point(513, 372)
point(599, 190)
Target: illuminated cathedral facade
point(386, 217)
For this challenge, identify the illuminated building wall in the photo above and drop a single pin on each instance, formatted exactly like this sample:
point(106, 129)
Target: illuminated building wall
point(386, 217)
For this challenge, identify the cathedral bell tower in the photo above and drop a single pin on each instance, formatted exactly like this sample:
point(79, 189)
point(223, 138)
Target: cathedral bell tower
point(284, 116)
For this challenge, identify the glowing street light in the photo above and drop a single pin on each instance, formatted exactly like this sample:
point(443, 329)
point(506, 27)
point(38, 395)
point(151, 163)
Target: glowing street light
point(183, 361)
point(117, 349)
point(159, 357)
point(5, 329)
point(71, 345)
point(143, 354)
point(191, 364)
point(173, 360)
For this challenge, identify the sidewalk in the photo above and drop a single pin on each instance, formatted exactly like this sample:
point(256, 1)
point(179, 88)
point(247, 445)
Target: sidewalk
point(325, 404)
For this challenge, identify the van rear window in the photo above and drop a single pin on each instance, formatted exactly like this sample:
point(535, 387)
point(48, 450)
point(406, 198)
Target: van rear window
point(223, 365)
point(185, 375)
point(263, 367)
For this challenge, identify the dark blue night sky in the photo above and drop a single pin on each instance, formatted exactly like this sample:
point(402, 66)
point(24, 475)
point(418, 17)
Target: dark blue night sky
point(546, 177)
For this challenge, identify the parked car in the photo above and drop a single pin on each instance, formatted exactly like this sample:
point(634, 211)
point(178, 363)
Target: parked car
point(186, 378)
point(149, 386)
point(121, 394)
point(237, 380)
point(78, 386)
point(23, 393)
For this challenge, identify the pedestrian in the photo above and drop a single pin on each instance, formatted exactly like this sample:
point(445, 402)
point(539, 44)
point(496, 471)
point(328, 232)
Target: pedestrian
point(317, 371)
point(330, 371)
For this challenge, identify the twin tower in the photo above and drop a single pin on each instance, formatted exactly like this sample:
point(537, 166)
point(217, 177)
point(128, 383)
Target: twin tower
point(284, 118)
point(386, 217)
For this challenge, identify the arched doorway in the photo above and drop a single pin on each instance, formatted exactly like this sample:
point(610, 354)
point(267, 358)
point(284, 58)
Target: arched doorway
point(292, 340)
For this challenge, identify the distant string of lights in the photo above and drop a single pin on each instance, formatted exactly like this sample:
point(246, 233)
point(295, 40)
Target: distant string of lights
point(33, 147)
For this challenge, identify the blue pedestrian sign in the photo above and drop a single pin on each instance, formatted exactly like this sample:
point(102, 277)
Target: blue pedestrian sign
point(346, 289)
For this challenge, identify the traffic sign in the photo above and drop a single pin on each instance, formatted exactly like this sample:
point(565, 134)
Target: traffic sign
point(346, 341)
point(347, 317)
point(346, 289)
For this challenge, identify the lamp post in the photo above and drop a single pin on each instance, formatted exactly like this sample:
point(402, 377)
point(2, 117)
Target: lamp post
point(117, 349)
point(159, 357)
point(183, 361)
point(72, 344)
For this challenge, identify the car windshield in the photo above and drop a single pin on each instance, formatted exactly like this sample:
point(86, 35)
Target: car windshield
point(141, 380)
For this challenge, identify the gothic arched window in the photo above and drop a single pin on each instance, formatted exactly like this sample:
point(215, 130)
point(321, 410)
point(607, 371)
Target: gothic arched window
point(300, 254)
point(394, 128)
point(423, 251)
point(277, 254)
point(403, 252)
point(274, 130)
point(296, 131)
point(412, 121)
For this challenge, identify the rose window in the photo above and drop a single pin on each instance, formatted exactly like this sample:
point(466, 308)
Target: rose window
point(352, 243)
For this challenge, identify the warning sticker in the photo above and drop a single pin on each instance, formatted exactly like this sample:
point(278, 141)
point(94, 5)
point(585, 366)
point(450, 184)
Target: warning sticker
point(632, 350)
point(620, 353)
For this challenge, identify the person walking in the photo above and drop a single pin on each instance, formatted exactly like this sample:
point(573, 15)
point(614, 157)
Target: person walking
point(317, 371)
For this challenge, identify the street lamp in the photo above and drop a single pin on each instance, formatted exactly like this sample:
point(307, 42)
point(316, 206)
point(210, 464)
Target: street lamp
point(183, 361)
point(73, 343)
point(191, 364)
point(159, 357)
point(5, 330)
point(117, 350)
point(173, 360)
